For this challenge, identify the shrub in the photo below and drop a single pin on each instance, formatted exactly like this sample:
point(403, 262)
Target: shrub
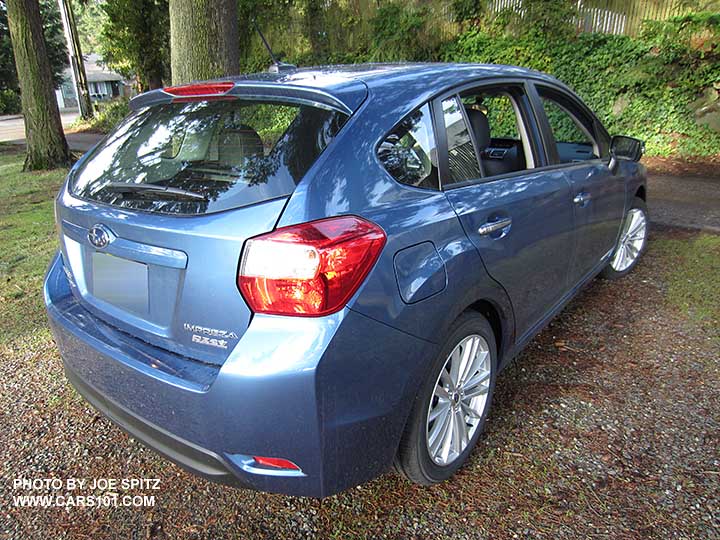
point(10, 102)
point(108, 114)
point(644, 87)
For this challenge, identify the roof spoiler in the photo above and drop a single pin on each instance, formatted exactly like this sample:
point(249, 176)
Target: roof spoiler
point(247, 90)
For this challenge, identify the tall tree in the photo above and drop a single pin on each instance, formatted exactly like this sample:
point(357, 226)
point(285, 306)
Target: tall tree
point(54, 38)
point(46, 144)
point(203, 39)
point(135, 40)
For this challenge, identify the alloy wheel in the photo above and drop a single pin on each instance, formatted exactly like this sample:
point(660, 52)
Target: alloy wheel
point(458, 400)
point(632, 240)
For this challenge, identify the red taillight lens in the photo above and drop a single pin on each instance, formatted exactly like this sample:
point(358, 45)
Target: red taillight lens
point(277, 463)
point(310, 269)
point(204, 91)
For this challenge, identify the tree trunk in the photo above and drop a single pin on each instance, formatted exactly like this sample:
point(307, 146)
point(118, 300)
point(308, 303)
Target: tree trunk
point(203, 39)
point(46, 145)
point(315, 26)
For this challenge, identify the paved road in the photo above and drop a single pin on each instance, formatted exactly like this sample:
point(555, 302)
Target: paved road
point(12, 130)
point(685, 202)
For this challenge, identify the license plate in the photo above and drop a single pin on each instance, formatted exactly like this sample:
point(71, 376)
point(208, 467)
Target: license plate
point(120, 282)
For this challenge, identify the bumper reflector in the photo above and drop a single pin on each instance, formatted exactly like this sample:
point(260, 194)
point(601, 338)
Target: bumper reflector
point(277, 463)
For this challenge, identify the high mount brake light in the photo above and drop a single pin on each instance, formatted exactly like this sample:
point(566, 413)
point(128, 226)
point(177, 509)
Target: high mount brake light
point(311, 269)
point(191, 92)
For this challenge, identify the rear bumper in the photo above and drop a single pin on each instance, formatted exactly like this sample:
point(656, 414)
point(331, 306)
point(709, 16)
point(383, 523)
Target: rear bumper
point(330, 394)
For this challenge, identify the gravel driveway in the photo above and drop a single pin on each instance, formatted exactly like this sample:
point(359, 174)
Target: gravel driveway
point(685, 201)
point(608, 426)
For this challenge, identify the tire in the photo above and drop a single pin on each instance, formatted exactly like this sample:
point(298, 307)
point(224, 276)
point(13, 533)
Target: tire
point(617, 268)
point(414, 459)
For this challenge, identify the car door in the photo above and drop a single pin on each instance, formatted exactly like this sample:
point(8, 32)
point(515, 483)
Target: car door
point(520, 219)
point(578, 145)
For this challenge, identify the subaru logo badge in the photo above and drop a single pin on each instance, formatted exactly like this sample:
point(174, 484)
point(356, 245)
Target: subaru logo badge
point(100, 236)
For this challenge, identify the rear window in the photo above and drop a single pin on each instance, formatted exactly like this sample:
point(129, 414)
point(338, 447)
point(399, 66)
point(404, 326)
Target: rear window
point(206, 156)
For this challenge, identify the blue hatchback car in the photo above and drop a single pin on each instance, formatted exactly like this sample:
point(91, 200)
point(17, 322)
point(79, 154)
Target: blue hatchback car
point(292, 282)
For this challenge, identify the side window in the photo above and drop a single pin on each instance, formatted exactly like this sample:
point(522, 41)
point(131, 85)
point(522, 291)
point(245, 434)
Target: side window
point(462, 161)
point(572, 131)
point(500, 114)
point(500, 137)
point(409, 152)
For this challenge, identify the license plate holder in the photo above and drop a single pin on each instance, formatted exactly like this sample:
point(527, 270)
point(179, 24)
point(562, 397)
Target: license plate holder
point(120, 282)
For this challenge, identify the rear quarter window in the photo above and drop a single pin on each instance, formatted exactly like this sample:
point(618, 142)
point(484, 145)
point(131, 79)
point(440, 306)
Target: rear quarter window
point(206, 156)
point(409, 151)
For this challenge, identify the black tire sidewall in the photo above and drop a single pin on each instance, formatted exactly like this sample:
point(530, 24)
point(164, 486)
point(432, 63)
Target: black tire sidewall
point(467, 324)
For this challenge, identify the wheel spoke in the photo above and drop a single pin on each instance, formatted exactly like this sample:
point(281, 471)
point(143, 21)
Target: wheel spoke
point(633, 221)
point(441, 393)
point(476, 380)
point(478, 390)
point(445, 379)
point(439, 430)
point(447, 438)
point(636, 229)
point(455, 363)
point(471, 364)
point(459, 432)
point(468, 410)
point(621, 257)
point(441, 408)
point(638, 236)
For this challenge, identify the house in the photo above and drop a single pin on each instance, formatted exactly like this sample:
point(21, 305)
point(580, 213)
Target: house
point(103, 84)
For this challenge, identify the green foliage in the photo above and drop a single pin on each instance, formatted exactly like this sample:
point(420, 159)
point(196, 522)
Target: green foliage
point(402, 32)
point(270, 121)
point(89, 18)
point(10, 102)
point(108, 114)
point(656, 86)
point(468, 10)
point(638, 86)
point(54, 39)
point(135, 40)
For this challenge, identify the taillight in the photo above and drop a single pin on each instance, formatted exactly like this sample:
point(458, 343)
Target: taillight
point(310, 269)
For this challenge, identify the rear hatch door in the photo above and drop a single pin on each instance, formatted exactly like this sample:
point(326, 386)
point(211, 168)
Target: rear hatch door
point(153, 221)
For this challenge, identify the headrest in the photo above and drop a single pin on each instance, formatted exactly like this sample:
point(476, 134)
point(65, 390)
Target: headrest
point(480, 126)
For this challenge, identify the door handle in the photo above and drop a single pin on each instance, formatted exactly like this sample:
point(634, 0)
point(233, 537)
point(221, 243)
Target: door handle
point(582, 198)
point(492, 226)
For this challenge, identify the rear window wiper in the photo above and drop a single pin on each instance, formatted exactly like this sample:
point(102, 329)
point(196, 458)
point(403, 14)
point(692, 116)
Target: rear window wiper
point(124, 187)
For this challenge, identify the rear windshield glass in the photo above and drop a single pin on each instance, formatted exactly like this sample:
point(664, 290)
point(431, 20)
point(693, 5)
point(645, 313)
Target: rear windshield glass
point(206, 156)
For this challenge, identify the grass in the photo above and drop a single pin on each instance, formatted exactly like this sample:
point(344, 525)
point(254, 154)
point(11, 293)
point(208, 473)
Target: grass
point(694, 276)
point(27, 241)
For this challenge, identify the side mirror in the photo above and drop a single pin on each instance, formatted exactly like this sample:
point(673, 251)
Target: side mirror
point(622, 147)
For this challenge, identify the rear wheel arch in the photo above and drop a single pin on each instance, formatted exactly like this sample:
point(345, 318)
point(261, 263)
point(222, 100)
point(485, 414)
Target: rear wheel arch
point(640, 193)
point(492, 313)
